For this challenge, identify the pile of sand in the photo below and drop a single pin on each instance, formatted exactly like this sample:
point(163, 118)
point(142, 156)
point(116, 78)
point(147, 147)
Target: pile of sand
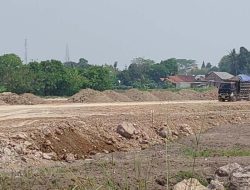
point(32, 98)
point(134, 95)
point(117, 96)
point(90, 96)
point(188, 94)
point(140, 96)
point(15, 99)
point(2, 102)
point(211, 95)
point(164, 95)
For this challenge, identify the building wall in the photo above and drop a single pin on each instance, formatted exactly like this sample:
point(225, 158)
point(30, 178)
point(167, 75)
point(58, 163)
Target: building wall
point(183, 85)
point(213, 80)
point(213, 77)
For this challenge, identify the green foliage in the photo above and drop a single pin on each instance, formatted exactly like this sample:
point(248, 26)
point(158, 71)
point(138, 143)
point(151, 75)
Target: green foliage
point(52, 78)
point(236, 63)
point(82, 63)
point(206, 89)
point(9, 64)
point(73, 82)
point(21, 80)
point(203, 66)
point(49, 78)
point(208, 65)
point(99, 77)
point(146, 74)
point(185, 66)
point(2, 89)
point(235, 152)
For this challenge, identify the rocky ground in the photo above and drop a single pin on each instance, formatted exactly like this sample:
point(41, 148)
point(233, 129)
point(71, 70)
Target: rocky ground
point(63, 146)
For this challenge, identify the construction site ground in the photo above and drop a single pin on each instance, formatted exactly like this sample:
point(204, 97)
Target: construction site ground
point(38, 142)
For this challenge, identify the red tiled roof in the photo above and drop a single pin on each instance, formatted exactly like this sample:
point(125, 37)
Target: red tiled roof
point(181, 78)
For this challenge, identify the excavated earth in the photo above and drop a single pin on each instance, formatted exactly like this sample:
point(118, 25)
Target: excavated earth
point(75, 145)
point(23, 99)
point(134, 95)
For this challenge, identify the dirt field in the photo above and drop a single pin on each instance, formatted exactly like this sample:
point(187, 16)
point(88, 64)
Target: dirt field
point(63, 146)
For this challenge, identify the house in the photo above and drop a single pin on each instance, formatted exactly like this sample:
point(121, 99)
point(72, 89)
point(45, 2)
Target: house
point(215, 78)
point(200, 77)
point(184, 81)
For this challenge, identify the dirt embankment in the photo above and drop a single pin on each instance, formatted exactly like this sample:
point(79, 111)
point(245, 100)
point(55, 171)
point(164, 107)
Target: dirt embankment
point(134, 95)
point(23, 99)
point(109, 96)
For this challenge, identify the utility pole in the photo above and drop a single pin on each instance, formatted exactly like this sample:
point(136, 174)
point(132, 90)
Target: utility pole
point(67, 57)
point(26, 50)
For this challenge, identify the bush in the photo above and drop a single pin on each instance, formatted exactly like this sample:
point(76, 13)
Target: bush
point(2, 89)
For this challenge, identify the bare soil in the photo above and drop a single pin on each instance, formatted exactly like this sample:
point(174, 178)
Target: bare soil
point(23, 99)
point(102, 156)
point(134, 95)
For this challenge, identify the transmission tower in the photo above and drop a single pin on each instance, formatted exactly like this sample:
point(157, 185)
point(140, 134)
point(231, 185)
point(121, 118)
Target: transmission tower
point(26, 50)
point(67, 57)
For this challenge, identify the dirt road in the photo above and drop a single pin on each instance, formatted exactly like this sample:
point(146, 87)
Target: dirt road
point(71, 109)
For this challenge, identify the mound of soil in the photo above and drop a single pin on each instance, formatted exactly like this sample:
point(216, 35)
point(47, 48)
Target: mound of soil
point(32, 98)
point(140, 96)
point(90, 96)
point(164, 95)
point(24, 99)
point(188, 94)
point(134, 95)
point(117, 96)
point(211, 95)
point(2, 102)
point(71, 136)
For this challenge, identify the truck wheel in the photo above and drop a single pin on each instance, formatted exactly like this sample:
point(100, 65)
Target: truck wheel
point(248, 99)
point(233, 99)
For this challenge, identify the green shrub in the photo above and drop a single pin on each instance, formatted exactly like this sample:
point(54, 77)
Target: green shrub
point(2, 89)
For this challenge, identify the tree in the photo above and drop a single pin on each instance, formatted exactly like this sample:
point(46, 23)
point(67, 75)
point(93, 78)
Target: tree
point(236, 63)
point(82, 63)
point(49, 77)
point(186, 65)
point(115, 65)
point(203, 66)
point(139, 68)
point(225, 64)
point(21, 80)
point(9, 64)
point(73, 82)
point(99, 78)
point(208, 65)
point(124, 77)
point(244, 61)
point(171, 66)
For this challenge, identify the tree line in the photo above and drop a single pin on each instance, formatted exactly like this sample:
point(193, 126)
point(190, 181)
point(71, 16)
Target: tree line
point(54, 78)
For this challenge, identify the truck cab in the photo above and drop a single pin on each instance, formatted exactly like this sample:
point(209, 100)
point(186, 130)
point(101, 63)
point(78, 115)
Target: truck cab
point(228, 91)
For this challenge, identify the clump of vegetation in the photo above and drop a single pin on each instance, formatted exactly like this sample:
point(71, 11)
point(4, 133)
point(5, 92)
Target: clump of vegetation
point(181, 175)
point(2, 89)
point(236, 152)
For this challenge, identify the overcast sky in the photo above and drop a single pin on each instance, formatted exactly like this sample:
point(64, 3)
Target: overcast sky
point(104, 31)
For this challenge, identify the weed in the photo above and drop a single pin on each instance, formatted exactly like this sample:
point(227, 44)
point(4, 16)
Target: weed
point(181, 175)
point(220, 153)
point(203, 89)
